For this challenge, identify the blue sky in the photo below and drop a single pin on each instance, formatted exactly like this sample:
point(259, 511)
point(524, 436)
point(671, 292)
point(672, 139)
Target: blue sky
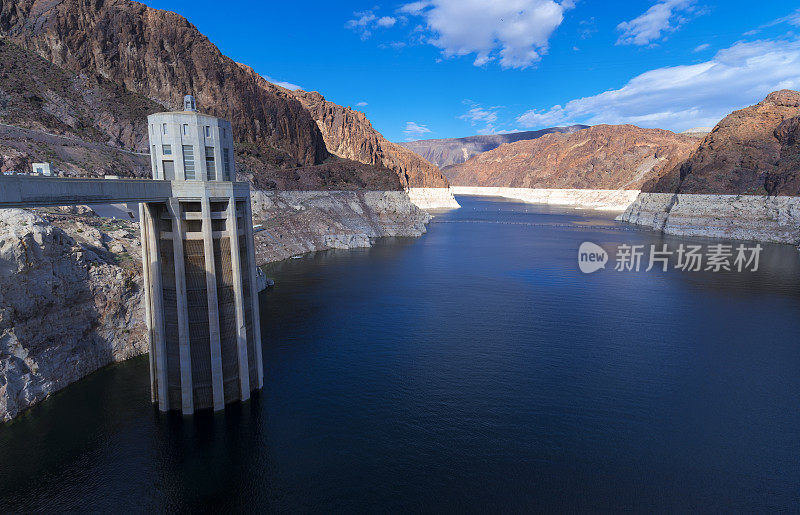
point(451, 68)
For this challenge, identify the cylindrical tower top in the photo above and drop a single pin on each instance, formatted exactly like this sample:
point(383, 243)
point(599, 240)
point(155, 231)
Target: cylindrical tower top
point(190, 146)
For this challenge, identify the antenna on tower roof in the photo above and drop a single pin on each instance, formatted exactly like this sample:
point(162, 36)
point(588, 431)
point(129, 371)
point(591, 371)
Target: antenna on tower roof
point(189, 103)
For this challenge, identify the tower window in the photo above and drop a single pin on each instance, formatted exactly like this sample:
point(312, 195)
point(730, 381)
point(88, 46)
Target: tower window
point(226, 163)
point(169, 169)
point(208, 131)
point(164, 128)
point(211, 167)
point(188, 162)
point(185, 129)
point(167, 150)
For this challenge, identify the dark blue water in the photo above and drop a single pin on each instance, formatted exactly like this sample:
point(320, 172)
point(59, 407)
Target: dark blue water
point(472, 369)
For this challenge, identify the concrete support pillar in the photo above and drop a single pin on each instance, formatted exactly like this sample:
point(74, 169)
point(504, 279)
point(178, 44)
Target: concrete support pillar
point(238, 294)
point(144, 229)
point(187, 395)
point(251, 256)
point(213, 308)
point(152, 262)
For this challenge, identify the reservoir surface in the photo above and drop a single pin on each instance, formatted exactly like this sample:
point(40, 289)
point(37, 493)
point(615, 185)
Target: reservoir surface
point(475, 368)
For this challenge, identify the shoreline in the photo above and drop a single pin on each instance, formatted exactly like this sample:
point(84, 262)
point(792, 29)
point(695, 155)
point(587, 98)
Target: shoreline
point(598, 199)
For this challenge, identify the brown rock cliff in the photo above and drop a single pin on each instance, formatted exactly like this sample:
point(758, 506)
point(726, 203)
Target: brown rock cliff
point(349, 134)
point(753, 151)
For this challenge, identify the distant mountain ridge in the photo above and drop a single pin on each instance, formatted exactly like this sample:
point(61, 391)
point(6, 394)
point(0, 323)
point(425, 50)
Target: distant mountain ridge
point(451, 151)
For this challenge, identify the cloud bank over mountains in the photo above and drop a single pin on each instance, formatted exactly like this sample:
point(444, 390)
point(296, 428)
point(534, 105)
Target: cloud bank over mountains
point(680, 97)
point(516, 34)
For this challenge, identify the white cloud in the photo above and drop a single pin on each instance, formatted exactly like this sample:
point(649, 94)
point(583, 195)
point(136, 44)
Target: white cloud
point(662, 18)
point(478, 115)
point(793, 19)
point(283, 84)
point(364, 22)
point(680, 97)
point(414, 129)
point(362, 104)
point(414, 8)
point(700, 48)
point(515, 32)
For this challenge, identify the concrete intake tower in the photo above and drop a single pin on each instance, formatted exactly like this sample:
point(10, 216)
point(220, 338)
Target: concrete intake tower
point(199, 268)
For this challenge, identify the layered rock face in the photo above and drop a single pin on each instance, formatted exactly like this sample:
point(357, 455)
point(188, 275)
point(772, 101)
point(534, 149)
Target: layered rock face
point(35, 94)
point(83, 125)
point(451, 151)
point(349, 134)
point(608, 157)
point(67, 307)
point(753, 151)
point(738, 217)
point(742, 182)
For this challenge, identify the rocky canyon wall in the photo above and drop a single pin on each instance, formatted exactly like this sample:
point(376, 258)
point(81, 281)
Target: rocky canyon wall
point(742, 217)
point(742, 182)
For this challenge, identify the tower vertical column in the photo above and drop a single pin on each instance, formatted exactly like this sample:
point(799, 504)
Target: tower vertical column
point(153, 265)
point(213, 307)
point(144, 230)
point(238, 295)
point(187, 394)
point(251, 256)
